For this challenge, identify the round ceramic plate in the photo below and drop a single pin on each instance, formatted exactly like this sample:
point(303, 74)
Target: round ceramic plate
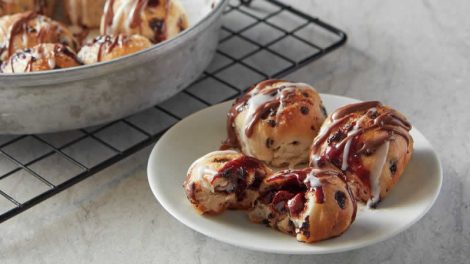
point(203, 132)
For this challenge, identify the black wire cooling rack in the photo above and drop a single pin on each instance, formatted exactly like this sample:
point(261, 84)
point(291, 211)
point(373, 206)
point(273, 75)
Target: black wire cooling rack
point(259, 39)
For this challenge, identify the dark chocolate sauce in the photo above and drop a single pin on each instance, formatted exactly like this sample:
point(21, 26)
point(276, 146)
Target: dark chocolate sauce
point(236, 172)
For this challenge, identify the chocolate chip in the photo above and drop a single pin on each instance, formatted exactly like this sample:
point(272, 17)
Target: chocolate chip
point(295, 142)
point(340, 198)
point(269, 142)
point(373, 114)
point(153, 3)
point(272, 123)
point(336, 137)
point(216, 160)
point(156, 25)
point(393, 167)
point(323, 109)
point(304, 228)
point(265, 222)
point(305, 94)
point(304, 110)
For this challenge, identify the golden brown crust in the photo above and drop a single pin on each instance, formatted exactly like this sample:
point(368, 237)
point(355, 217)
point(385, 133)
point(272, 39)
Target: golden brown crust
point(224, 180)
point(86, 13)
point(26, 30)
point(105, 48)
point(156, 20)
point(276, 122)
point(311, 204)
point(40, 58)
point(45, 7)
point(377, 145)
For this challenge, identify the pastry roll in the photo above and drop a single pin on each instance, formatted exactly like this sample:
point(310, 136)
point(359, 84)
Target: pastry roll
point(158, 20)
point(276, 122)
point(105, 48)
point(370, 142)
point(42, 57)
point(311, 204)
point(26, 30)
point(224, 180)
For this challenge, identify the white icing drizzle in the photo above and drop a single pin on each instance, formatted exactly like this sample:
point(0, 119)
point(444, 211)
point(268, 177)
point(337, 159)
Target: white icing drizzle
point(51, 62)
point(376, 172)
point(125, 11)
point(202, 171)
point(312, 179)
point(253, 103)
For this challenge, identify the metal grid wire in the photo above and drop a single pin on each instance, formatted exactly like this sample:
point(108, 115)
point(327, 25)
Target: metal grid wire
point(260, 40)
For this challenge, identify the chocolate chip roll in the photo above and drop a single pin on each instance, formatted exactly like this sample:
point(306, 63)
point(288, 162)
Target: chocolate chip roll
point(158, 20)
point(26, 30)
point(224, 180)
point(40, 58)
point(45, 7)
point(276, 122)
point(370, 142)
point(85, 13)
point(105, 48)
point(312, 204)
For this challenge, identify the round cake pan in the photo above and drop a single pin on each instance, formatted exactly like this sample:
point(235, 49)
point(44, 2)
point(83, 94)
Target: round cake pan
point(89, 95)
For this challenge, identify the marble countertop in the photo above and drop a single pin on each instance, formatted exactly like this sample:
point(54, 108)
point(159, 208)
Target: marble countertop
point(414, 56)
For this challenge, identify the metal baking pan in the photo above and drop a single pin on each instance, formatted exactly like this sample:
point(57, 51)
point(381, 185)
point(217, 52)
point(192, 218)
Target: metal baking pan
point(89, 95)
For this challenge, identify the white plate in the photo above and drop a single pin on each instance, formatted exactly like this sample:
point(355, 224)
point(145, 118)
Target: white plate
point(203, 132)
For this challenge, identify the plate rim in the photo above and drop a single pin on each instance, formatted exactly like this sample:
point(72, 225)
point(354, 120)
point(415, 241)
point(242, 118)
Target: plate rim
point(354, 246)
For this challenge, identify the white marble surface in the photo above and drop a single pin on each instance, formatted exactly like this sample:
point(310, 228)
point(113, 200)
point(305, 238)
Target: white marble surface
point(413, 55)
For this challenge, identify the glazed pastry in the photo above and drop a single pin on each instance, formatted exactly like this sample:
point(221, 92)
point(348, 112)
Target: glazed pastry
point(8, 7)
point(312, 204)
point(41, 58)
point(105, 48)
point(158, 20)
point(86, 13)
point(276, 122)
point(26, 30)
point(370, 142)
point(224, 180)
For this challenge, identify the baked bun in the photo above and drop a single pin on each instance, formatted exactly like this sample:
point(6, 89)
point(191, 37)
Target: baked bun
point(370, 142)
point(158, 20)
point(26, 30)
point(224, 180)
point(312, 204)
point(276, 122)
point(45, 7)
point(42, 57)
point(86, 13)
point(105, 48)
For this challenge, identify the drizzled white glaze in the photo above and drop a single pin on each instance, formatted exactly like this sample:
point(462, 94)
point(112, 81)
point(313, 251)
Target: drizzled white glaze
point(312, 179)
point(381, 157)
point(201, 170)
point(51, 62)
point(124, 13)
point(253, 104)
